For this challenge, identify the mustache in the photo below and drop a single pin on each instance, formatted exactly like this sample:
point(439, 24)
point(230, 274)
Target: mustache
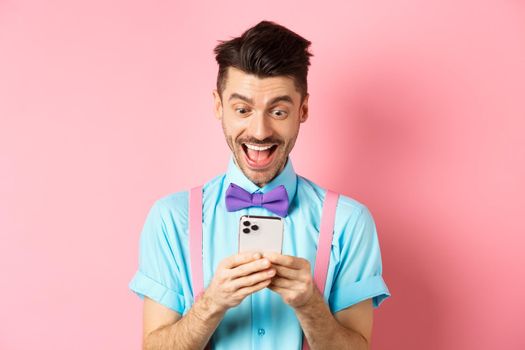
point(255, 141)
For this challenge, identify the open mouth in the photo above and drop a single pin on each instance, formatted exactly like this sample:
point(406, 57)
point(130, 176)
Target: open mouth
point(257, 156)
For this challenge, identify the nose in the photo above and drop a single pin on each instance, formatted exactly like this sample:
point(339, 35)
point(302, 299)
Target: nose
point(260, 126)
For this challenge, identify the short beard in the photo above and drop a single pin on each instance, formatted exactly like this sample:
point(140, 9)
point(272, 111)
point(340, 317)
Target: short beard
point(286, 151)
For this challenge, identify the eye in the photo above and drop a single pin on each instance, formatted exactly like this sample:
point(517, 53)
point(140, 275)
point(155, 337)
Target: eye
point(279, 113)
point(241, 110)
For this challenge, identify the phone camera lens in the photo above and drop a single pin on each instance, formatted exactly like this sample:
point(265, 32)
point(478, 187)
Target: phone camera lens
point(246, 223)
point(255, 227)
point(246, 230)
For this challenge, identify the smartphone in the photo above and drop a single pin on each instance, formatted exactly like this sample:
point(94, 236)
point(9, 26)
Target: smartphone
point(261, 233)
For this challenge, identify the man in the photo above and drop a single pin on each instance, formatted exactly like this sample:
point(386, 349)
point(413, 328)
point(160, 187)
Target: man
point(263, 300)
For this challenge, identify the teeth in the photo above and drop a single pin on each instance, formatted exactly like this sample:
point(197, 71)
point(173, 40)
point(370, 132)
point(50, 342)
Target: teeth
point(256, 148)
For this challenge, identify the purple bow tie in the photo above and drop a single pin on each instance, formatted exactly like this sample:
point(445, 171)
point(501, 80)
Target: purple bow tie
point(275, 200)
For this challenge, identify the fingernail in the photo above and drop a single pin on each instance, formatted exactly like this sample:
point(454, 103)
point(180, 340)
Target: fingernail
point(256, 256)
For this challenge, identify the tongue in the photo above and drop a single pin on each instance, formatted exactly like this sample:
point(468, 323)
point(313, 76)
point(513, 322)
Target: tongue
point(258, 156)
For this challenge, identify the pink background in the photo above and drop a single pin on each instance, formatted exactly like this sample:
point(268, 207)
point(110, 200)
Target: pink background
point(417, 109)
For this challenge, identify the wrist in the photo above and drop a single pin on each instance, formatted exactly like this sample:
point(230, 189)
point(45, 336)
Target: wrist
point(314, 299)
point(208, 309)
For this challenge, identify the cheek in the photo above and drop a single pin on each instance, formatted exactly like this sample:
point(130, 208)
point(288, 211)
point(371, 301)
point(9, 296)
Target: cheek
point(230, 124)
point(236, 126)
point(287, 132)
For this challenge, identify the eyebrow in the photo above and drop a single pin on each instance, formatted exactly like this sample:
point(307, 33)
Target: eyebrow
point(285, 98)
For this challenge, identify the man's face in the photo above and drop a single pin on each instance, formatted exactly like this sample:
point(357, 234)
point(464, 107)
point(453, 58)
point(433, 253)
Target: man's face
point(260, 119)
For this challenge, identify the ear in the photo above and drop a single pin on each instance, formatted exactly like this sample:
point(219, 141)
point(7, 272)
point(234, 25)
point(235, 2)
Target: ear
point(217, 104)
point(303, 110)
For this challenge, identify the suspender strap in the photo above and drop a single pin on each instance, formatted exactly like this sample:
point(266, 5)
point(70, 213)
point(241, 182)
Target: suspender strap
point(324, 244)
point(195, 237)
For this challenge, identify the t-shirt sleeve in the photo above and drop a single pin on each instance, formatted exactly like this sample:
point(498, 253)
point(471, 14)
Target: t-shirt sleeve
point(359, 275)
point(157, 276)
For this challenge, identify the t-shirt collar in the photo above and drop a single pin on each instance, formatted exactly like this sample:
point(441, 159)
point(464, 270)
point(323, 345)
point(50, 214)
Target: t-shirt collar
point(287, 177)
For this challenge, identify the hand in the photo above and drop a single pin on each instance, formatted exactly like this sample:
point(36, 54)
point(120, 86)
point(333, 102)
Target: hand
point(293, 281)
point(237, 277)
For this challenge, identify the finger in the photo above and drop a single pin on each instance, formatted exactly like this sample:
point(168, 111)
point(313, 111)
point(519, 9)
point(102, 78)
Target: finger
point(239, 259)
point(292, 262)
point(279, 290)
point(253, 279)
point(283, 283)
point(288, 273)
point(249, 268)
point(244, 292)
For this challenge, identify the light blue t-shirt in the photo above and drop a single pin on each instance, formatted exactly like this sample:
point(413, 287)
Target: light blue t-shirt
point(262, 320)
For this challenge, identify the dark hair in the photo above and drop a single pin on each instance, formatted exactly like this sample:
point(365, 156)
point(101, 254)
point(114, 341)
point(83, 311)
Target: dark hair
point(265, 50)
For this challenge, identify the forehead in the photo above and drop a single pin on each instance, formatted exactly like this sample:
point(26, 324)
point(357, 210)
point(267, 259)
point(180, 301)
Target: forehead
point(261, 90)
